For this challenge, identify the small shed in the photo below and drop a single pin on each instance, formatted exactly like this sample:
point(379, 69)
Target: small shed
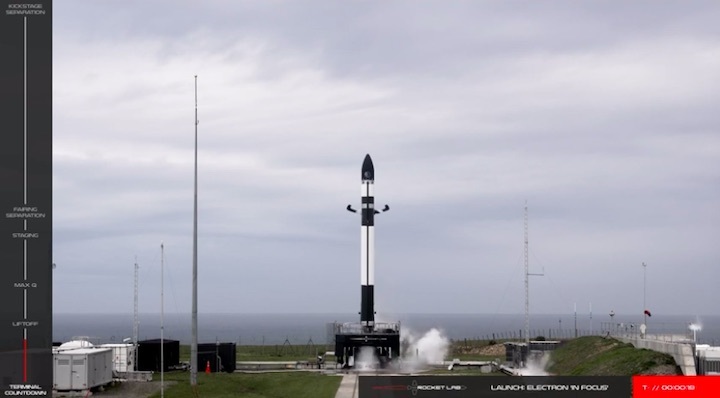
point(221, 356)
point(123, 357)
point(81, 368)
point(707, 359)
point(148, 354)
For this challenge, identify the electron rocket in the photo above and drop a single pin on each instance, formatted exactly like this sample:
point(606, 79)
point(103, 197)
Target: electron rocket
point(367, 243)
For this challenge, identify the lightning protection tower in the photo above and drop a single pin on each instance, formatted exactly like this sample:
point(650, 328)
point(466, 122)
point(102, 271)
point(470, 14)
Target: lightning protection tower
point(527, 281)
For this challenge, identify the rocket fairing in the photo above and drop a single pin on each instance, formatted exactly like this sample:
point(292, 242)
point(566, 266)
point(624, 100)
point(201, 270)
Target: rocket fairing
point(367, 243)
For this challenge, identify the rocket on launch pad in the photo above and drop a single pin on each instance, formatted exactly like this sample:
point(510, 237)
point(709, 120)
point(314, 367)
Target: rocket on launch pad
point(384, 337)
point(367, 243)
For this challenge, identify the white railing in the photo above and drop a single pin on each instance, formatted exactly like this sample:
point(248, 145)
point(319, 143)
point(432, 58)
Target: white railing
point(357, 328)
point(667, 332)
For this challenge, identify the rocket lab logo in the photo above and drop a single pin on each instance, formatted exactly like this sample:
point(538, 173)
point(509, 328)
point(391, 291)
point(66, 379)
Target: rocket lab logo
point(414, 387)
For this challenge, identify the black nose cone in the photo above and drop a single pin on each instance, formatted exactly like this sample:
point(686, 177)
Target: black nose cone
point(368, 171)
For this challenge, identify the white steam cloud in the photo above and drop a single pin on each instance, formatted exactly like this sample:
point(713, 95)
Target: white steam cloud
point(535, 366)
point(430, 348)
point(366, 359)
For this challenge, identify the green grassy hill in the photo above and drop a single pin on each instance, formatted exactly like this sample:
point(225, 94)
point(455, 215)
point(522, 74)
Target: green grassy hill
point(598, 356)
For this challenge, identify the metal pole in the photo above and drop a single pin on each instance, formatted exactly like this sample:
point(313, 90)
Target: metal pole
point(527, 281)
point(162, 317)
point(576, 331)
point(194, 343)
point(644, 293)
point(136, 322)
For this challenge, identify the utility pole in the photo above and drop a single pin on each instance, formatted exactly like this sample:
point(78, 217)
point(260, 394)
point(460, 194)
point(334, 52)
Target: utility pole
point(136, 322)
point(162, 320)
point(644, 293)
point(194, 342)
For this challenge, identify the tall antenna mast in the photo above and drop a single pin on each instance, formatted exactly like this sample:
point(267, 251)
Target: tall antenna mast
point(194, 343)
point(162, 319)
point(527, 281)
point(136, 322)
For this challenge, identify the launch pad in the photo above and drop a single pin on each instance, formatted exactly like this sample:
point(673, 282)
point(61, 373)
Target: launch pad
point(350, 337)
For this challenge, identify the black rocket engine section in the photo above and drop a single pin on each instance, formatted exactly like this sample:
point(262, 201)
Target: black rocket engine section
point(367, 305)
point(384, 338)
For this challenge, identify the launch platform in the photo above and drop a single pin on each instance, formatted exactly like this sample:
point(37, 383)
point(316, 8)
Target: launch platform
point(384, 338)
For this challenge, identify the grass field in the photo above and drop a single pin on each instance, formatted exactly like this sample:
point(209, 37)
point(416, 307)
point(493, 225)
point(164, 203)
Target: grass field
point(598, 356)
point(267, 385)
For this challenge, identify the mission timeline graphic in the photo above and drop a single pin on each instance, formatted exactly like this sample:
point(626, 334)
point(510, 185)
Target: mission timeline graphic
point(26, 198)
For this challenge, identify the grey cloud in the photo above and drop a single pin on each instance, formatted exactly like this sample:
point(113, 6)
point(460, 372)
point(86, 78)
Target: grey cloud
point(602, 118)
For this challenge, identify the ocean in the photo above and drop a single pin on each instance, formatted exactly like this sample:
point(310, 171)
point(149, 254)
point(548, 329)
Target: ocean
point(301, 329)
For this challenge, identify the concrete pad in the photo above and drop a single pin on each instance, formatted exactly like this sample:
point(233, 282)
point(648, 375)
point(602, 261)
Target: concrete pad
point(348, 386)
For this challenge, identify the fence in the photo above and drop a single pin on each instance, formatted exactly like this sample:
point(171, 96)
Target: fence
point(668, 332)
point(548, 334)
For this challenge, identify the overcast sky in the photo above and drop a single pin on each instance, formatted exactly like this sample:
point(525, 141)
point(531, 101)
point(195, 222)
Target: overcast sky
point(604, 118)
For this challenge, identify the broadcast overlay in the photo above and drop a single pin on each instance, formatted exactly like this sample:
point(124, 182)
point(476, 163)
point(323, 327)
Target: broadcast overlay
point(538, 386)
point(26, 199)
point(26, 271)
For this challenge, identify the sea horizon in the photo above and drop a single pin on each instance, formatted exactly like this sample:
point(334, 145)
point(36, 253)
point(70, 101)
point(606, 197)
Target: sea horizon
point(296, 328)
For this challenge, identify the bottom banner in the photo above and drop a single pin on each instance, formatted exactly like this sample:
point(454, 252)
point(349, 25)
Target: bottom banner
point(494, 386)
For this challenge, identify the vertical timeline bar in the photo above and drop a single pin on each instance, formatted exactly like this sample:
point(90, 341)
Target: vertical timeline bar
point(25, 347)
point(26, 198)
point(25, 101)
point(25, 259)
